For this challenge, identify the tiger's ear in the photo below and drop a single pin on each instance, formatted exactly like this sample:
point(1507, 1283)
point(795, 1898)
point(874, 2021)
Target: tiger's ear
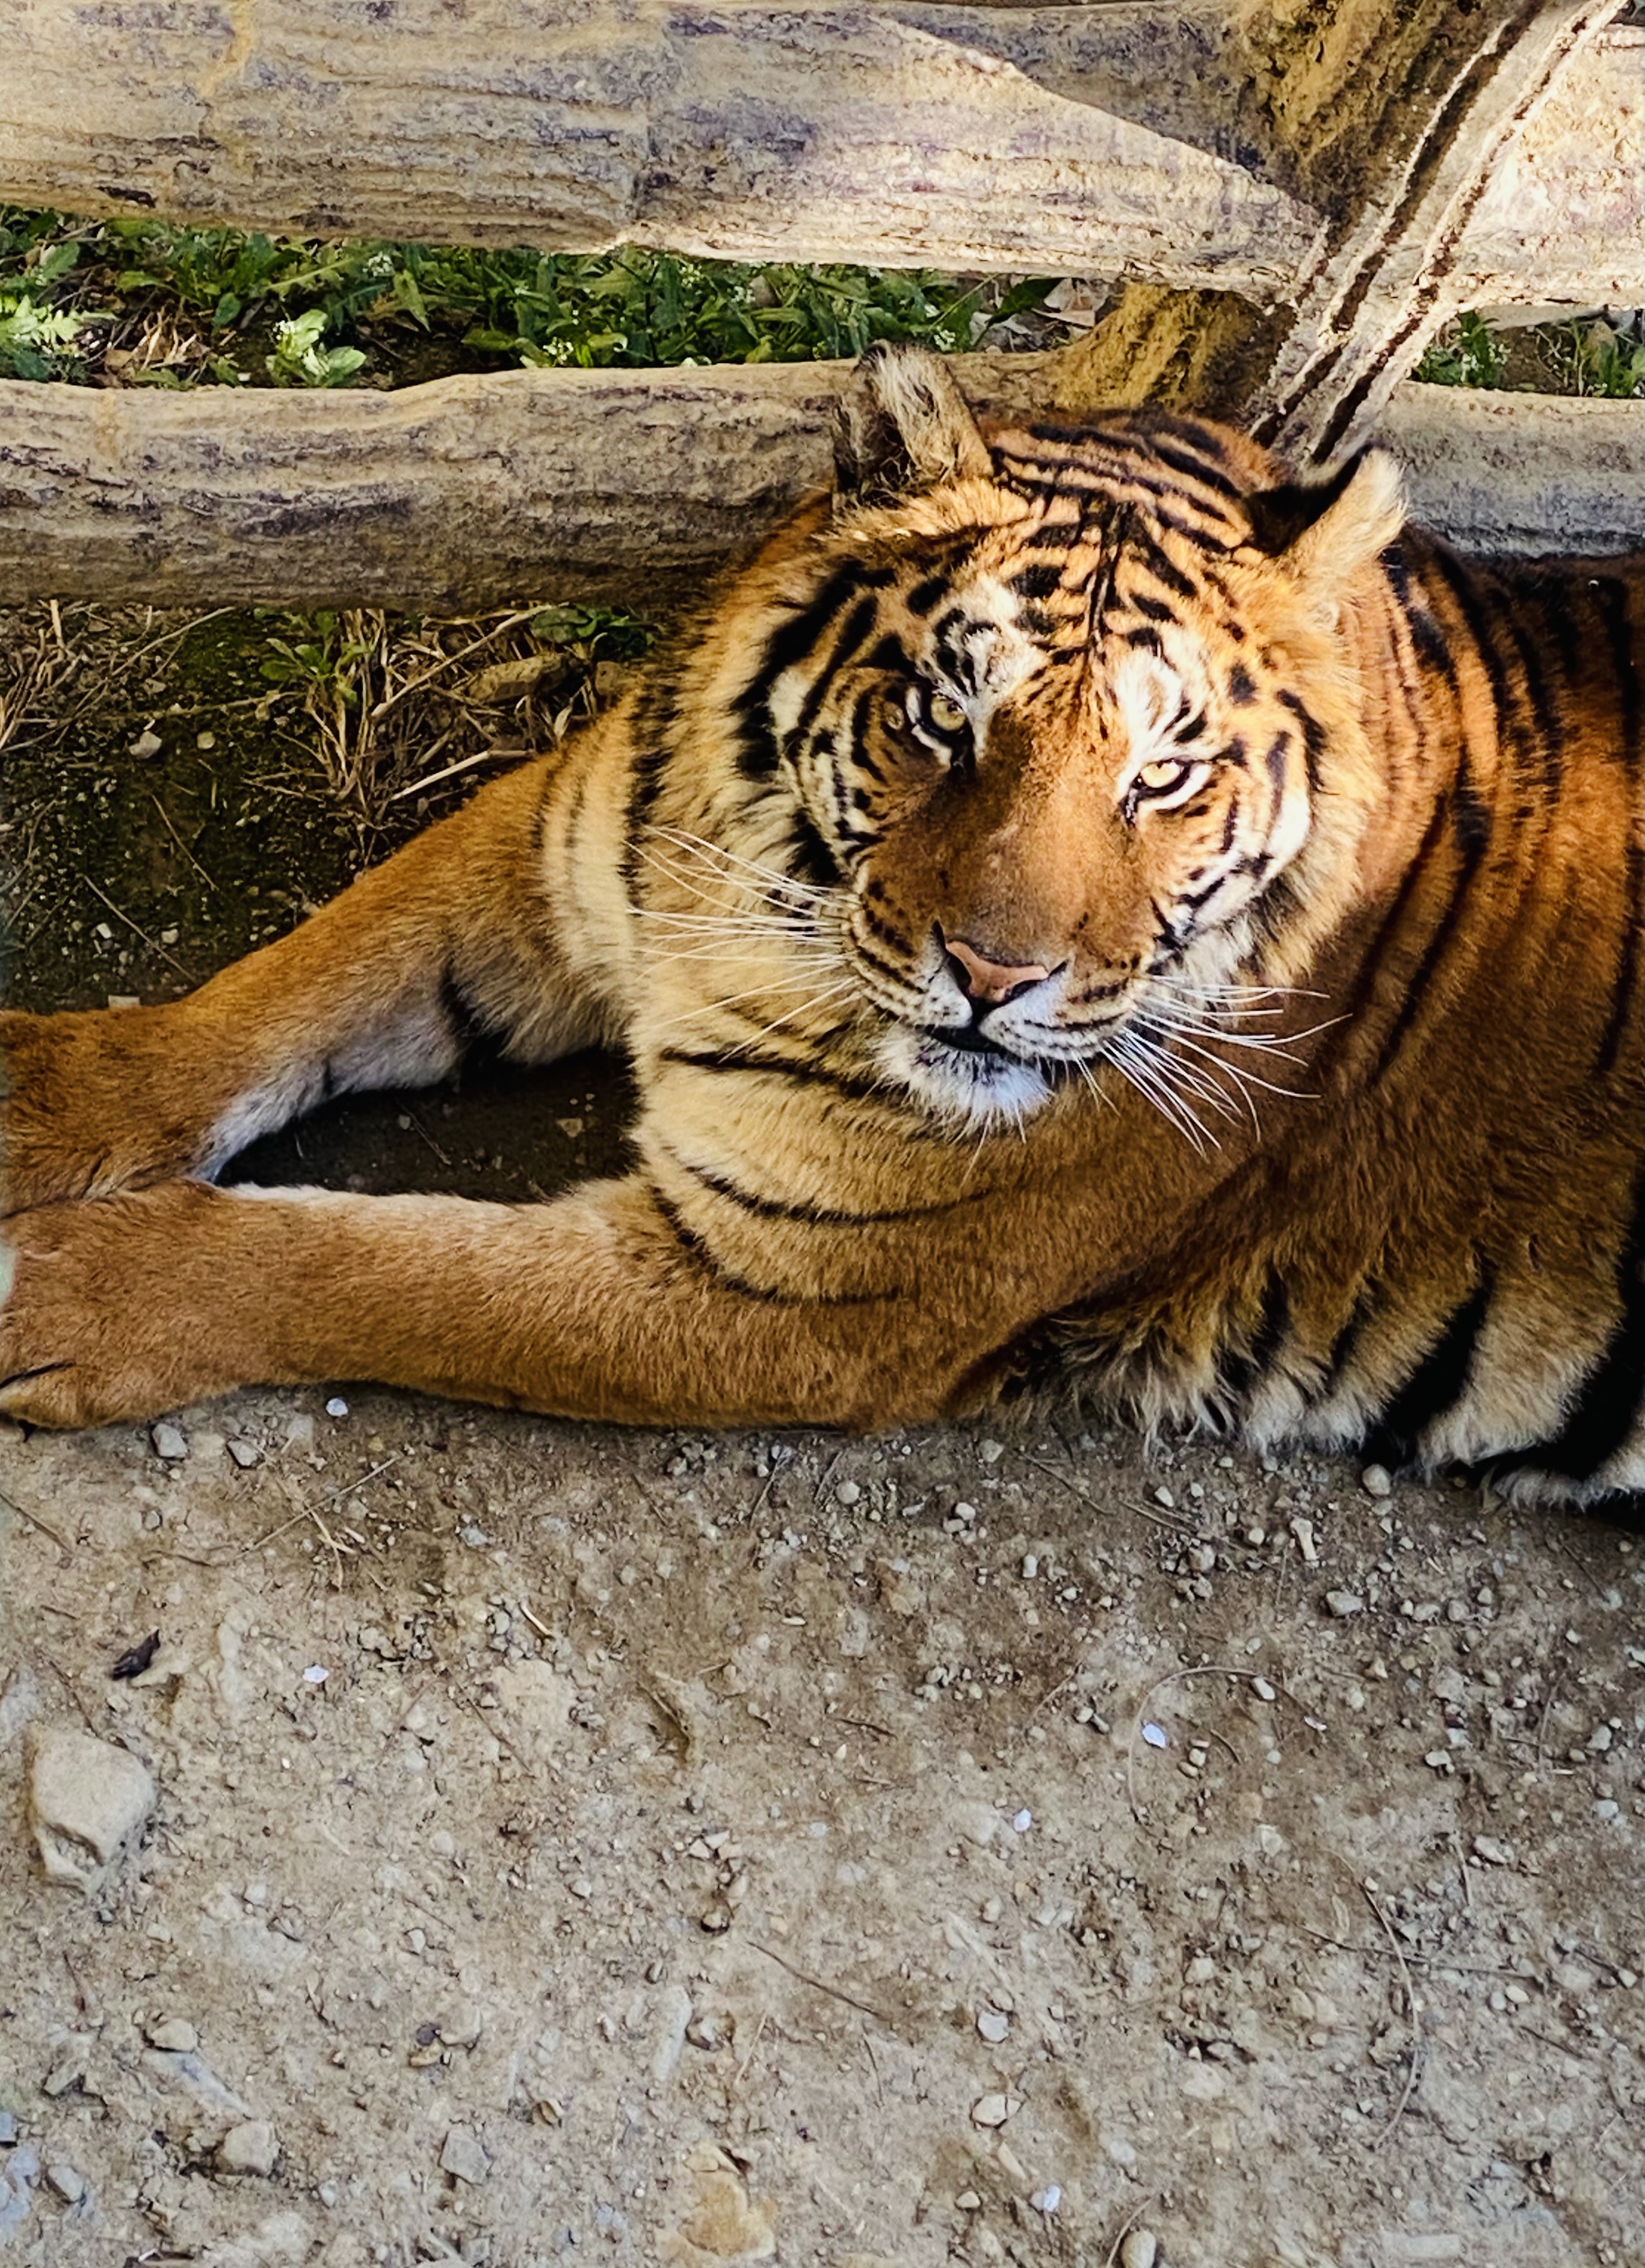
point(1326, 532)
point(902, 426)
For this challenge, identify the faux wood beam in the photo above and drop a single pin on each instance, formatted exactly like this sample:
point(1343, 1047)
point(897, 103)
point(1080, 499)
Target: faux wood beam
point(1134, 139)
point(478, 490)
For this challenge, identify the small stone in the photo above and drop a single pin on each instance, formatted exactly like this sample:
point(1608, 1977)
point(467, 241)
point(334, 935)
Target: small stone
point(88, 1799)
point(176, 2035)
point(169, 1441)
point(1607, 1809)
point(1377, 1480)
point(205, 742)
point(1140, 2250)
point(245, 1453)
point(968, 2201)
point(993, 2025)
point(1030, 1567)
point(1599, 1739)
point(336, 1407)
point(148, 743)
point(1261, 1687)
point(1021, 1821)
point(994, 2109)
point(464, 2157)
point(9, 2129)
point(707, 2032)
point(991, 1451)
point(1163, 1496)
point(848, 1493)
point(978, 1822)
point(250, 2147)
point(68, 2181)
point(1010, 2165)
point(1049, 2199)
point(1345, 1604)
point(1493, 1851)
point(716, 1919)
point(1303, 1531)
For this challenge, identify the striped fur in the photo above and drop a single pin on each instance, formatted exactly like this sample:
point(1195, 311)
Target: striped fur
point(1313, 1110)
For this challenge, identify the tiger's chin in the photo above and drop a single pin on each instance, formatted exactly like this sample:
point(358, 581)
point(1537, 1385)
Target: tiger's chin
point(972, 1087)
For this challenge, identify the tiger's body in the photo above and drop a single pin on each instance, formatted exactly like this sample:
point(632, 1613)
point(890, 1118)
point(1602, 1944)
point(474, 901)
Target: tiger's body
point(1082, 913)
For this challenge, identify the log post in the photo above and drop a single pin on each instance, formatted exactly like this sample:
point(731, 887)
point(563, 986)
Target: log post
point(1392, 122)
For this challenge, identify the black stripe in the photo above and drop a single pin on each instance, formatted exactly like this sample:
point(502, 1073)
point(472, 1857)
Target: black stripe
point(853, 631)
point(1609, 595)
point(924, 596)
point(1241, 686)
point(812, 1215)
point(1238, 1374)
point(693, 1245)
point(1609, 1403)
point(1037, 580)
point(1436, 1383)
point(1628, 965)
point(1469, 851)
point(470, 1027)
point(756, 751)
point(799, 1071)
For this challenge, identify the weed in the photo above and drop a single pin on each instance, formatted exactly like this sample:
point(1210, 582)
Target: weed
point(1473, 355)
point(188, 306)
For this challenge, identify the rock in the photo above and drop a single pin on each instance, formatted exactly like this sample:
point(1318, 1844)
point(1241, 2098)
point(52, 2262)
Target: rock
point(464, 2157)
point(251, 2148)
point(993, 2025)
point(978, 1822)
point(674, 2023)
point(88, 1800)
point(1493, 1851)
point(148, 743)
point(176, 2035)
point(168, 1441)
point(995, 2109)
point(1345, 1604)
point(1377, 1480)
point(245, 1453)
point(68, 2181)
point(1140, 2250)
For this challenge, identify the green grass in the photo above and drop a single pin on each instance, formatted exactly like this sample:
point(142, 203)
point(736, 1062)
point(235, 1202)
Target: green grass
point(1585, 358)
point(151, 304)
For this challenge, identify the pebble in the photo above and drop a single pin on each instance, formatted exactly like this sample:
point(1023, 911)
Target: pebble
point(991, 1451)
point(336, 1407)
point(250, 2147)
point(968, 2201)
point(978, 1822)
point(1021, 1821)
point(1606, 1808)
point(1345, 1604)
point(464, 2157)
point(1599, 1739)
point(148, 743)
point(993, 2025)
point(1261, 1687)
point(176, 2035)
point(716, 1919)
point(169, 1441)
point(88, 1800)
point(1163, 1496)
point(1377, 1480)
point(1493, 1851)
point(1140, 2250)
point(245, 1453)
point(1049, 2199)
point(994, 2109)
point(68, 2181)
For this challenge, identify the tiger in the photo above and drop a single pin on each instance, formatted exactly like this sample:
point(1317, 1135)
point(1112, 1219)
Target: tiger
point(1089, 915)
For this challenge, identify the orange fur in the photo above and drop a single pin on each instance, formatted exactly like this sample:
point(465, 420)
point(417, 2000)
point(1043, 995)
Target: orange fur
point(1211, 778)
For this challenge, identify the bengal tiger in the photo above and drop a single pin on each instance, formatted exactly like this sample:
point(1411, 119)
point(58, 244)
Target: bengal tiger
point(1086, 914)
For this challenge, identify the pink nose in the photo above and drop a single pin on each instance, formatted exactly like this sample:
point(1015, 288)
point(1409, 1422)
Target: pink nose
point(991, 980)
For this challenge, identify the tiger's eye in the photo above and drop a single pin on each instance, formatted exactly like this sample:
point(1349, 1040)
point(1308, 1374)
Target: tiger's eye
point(1161, 773)
point(945, 715)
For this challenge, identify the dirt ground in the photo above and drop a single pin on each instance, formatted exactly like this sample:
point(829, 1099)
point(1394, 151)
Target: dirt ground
point(963, 1847)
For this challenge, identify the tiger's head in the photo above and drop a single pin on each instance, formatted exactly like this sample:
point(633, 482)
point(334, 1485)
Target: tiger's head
point(1066, 722)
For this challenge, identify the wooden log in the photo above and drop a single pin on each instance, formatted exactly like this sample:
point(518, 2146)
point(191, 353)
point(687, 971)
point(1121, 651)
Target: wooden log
point(478, 490)
point(1121, 139)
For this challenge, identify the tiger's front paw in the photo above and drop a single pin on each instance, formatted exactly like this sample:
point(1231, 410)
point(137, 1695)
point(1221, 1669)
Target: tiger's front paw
point(90, 1104)
point(111, 1314)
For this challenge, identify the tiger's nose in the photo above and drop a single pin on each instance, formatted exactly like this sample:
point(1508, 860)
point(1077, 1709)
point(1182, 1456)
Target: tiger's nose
point(991, 983)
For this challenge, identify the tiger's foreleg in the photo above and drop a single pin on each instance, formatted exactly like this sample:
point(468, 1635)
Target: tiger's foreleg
point(385, 986)
point(591, 1306)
